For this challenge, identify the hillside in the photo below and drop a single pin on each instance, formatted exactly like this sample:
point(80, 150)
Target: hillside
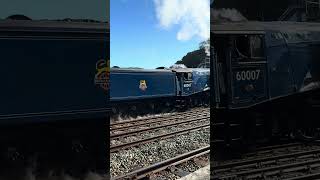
point(193, 59)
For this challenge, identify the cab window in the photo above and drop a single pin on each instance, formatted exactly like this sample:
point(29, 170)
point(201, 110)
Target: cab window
point(187, 76)
point(256, 46)
point(242, 47)
point(248, 47)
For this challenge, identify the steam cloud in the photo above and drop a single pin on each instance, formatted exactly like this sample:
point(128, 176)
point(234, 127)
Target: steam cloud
point(207, 48)
point(192, 16)
point(226, 15)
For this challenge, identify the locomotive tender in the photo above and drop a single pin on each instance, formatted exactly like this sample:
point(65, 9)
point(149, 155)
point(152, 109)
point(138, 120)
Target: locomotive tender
point(139, 91)
point(54, 93)
point(266, 79)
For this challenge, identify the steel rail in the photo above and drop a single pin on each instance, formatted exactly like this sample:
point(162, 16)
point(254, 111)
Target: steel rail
point(279, 169)
point(305, 177)
point(225, 171)
point(258, 160)
point(267, 148)
point(160, 166)
point(118, 135)
point(160, 120)
point(272, 149)
point(157, 117)
point(163, 136)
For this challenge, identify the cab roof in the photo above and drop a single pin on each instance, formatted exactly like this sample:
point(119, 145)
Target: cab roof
point(258, 27)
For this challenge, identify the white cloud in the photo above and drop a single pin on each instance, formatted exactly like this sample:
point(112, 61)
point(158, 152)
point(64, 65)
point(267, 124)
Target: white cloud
point(193, 17)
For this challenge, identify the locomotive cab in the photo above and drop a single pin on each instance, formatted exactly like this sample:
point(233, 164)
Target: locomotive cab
point(184, 81)
point(240, 67)
point(239, 82)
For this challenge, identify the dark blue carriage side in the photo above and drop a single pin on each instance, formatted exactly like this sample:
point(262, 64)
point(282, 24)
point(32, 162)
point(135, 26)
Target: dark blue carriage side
point(138, 84)
point(49, 71)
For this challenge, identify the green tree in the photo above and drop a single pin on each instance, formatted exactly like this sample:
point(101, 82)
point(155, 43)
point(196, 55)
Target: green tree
point(194, 58)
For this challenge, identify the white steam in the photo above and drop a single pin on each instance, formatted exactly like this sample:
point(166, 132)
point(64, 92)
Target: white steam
point(29, 173)
point(207, 48)
point(226, 15)
point(192, 16)
point(178, 66)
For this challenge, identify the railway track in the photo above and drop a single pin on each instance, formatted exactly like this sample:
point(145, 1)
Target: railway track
point(142, 136)
point(165, 134)
point(148, 121)
point(118, 147)
point(184, 120)
point(290, 161)
point(144, 130)
point(188, 124)
point(163, 165)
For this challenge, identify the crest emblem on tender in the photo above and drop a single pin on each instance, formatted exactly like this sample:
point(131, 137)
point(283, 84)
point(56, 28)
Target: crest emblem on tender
point(143, 85)
point(102, 74)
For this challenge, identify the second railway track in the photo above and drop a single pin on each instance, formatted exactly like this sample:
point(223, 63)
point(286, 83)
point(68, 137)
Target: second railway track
point(290, 161)
point(156, 119)
point(163, 165)
point(177, 126)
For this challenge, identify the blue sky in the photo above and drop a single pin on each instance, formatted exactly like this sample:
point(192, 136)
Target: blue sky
point(142, 37)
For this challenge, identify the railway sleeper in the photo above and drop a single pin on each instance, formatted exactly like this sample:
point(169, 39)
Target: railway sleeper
point(179, 172)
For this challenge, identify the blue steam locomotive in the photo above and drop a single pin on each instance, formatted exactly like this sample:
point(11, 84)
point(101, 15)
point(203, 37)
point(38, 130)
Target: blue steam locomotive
point(266, 79)
point(139, 91)
point(54, 91)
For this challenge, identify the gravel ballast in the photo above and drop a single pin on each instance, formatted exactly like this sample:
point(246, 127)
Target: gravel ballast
point(128, 160)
